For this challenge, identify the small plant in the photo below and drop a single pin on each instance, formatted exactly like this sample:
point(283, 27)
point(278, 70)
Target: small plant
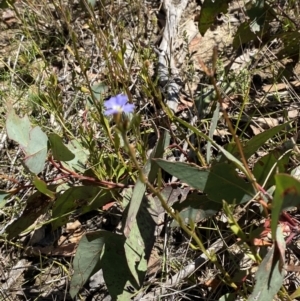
point(85, 147)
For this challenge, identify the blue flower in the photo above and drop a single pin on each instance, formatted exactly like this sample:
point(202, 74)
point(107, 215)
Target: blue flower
point(118, 104)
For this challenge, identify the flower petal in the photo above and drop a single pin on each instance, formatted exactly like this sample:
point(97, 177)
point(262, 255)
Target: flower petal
point(128, 108)
point(109, 103)
point(110, 112)
point(121, 99)
point(118, 104)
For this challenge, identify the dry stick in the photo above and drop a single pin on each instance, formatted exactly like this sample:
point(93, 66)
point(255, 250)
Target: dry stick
point(166, 68)
point(185, 272)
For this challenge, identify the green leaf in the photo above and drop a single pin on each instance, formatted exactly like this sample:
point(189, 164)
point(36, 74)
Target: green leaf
point(230, 187)
point(195, 200)
point(257, 14)
point(41, 186)
point(140, 241)
point(190, 174)
point(291, 45)
point(196, 208)
point(37, 204)
point(81, 156)
point(150, 170)
point(252, 145)
point(117, 276)
point(68, 201)
point(243, 35)
point(266, 167)
point(259, 140)
point(36, 150)
point(33, 141)
point(98, 91)
point(102, 249)
point(102, 198)
point(287, 194)
point(260, 15)
point(59, 150)
point(269, 276)
point(87, 259)
point(18, 128)
point(209, 10)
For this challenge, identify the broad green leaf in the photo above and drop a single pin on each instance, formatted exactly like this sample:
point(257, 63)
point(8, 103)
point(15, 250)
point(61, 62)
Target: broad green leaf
point(69, 200)
point(195, 208)
point(41, 186)
point(260, 16)
point(195, 200)
point(87, 259)
point(266, 167)
point(37, 204)
point(209, 10)
point(280, 246)
point(140, 241)
point(150, 170)
point(18, 128)
point(102, 249)
point(257, 14)
point(221, 182)
point(287, 195)
point(59, 150)
point(259, 140)
point(190, 174)
point(33, 141)
point(36, 150)
point(104, 197)
point(252, 145)
point(81, 156)
point(98, 91)
point(269, 276)
point(243, 35)
point(224, 183)
point(119, 281)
